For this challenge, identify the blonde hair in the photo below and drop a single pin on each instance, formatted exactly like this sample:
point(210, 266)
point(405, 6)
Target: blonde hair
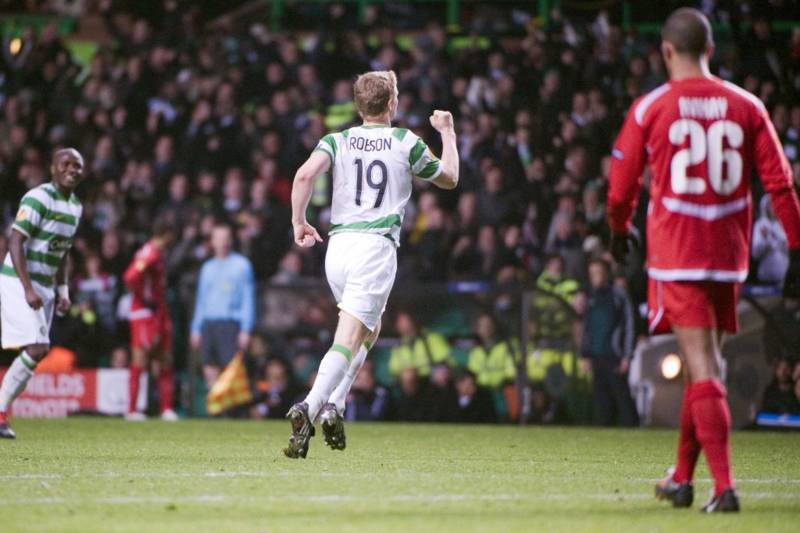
point(373, 91)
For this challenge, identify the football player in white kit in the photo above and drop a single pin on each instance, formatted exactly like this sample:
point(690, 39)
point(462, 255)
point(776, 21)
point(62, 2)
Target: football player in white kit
point(33, 277)
point(373, 166)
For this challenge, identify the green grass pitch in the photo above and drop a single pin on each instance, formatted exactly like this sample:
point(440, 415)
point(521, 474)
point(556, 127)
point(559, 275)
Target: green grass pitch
point(108, 475)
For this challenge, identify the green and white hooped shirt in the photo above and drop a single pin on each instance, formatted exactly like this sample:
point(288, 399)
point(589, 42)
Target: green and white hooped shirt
point(373, 167)
point(50, 221)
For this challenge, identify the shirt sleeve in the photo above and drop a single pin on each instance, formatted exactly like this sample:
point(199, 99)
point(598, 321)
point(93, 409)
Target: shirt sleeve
point(29, 215)
point(625, 178)
point(422, 162)
point(137, 271)
point(776, 175)
point(248, 299)
point(328, 145)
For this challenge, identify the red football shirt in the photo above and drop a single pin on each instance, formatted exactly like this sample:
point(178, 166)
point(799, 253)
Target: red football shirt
point(146, 278)
point(701, 137)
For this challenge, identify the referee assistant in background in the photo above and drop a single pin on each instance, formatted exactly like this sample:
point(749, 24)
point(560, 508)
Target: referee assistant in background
point(224, 311)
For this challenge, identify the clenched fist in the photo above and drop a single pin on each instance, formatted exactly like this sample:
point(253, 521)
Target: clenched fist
point(442, 121)
point(305, 235)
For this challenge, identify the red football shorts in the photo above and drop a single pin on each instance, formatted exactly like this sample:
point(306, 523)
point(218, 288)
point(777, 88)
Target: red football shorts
point(700, 304)
point(152, 334)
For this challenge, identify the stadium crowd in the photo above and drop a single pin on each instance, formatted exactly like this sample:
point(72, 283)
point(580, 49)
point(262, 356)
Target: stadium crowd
point(206, 125)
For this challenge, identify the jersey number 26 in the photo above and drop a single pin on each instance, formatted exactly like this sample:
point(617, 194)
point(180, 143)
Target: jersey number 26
point(706, 145)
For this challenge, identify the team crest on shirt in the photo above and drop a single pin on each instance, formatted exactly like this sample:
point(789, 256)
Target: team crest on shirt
point(22, 215)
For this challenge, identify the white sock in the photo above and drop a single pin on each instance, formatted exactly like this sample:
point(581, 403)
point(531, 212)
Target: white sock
point(16, 379)
point(331, 371)
point(340, 394)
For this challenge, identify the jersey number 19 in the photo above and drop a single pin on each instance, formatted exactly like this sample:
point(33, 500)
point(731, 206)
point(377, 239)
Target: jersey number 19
point(379, 186)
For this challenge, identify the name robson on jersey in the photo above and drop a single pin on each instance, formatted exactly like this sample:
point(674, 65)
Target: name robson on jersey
point(369, 145)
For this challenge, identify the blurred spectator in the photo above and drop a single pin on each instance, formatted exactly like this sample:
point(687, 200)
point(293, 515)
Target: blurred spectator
point(474, 403)
point(608, 335)
point(367, 399)
point(491, 361)
point(225, 310)
point(277, 392)
point(411, 401)
point(770, 247)
point(419, 348)
point(779, 396)
point(99, 288)
point(553, 304)
point(442, 397)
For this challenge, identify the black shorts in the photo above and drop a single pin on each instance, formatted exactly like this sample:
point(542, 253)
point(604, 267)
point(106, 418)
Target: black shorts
point(220, 342)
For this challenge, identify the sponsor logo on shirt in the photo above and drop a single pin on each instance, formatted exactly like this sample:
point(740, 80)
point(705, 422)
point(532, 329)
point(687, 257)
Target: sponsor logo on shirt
point(59, 244)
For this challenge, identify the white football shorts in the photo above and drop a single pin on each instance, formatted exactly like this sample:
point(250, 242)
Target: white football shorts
point(361, 268)
point(21, 325)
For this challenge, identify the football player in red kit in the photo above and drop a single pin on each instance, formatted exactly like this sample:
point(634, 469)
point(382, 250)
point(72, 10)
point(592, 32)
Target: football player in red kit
point(150, 324)
point(702, 137)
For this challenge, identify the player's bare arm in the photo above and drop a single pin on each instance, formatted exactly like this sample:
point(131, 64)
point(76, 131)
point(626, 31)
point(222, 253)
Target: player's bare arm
point(62, 287)
point(442, 121)
point(305, 235)
point(17, 249)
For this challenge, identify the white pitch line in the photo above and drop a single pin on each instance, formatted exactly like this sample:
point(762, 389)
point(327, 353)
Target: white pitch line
point(337, 499)
point(367, 475)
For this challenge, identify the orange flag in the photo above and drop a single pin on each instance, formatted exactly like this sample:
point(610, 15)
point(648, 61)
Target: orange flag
point(231, 389)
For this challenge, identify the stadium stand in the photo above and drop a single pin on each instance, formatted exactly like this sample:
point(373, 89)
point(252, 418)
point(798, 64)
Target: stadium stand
point(204, 118)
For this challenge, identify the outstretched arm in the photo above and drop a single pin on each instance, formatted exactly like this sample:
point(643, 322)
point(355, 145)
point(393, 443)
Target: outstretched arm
point(305, 234)
point(443, 122)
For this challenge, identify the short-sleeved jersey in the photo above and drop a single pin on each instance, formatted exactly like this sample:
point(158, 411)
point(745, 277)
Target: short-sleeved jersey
point(702, 138)
point(146, 278)
point(372, 168)
point(49, 220)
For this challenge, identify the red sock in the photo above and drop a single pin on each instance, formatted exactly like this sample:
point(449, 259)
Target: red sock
point(688, 446)
point(712, 422)
point(134, 373)
point(166, 388)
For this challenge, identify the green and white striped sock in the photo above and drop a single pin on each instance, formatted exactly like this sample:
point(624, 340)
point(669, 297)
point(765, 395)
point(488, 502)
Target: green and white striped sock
point(332, 369)
point(339, 396)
